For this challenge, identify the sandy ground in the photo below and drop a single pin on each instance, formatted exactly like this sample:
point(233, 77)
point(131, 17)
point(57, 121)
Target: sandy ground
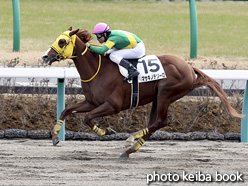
point(37, 162)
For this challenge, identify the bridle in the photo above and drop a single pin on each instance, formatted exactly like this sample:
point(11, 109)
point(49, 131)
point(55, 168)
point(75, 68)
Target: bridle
point(68, 50)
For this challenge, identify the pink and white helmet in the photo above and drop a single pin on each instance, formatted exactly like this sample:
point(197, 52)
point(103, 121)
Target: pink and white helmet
point(101, 28)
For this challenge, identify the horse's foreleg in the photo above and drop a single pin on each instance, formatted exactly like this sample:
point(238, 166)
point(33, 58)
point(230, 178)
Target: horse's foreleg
point(77, 108)
point(103, 110)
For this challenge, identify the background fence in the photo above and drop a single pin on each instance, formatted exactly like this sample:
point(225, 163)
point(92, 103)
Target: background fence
point(39, 109)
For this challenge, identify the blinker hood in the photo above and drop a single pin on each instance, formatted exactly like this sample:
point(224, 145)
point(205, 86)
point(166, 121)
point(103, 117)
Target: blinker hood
point(67, 51)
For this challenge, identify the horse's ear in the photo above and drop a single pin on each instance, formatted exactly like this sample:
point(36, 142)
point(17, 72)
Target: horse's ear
point(73, 32)
point(70, 29)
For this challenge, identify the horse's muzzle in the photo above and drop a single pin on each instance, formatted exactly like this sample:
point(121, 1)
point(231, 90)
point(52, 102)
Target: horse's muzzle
point(45, 58)
point(48, 60)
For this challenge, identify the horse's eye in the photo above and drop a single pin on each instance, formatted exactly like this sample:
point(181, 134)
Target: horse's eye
point(61, 42)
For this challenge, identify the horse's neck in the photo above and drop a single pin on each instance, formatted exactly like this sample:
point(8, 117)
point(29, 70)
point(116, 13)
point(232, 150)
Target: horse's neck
point(88, 64)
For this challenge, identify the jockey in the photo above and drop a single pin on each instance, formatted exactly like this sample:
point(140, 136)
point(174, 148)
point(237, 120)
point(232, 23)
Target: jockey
point(119, 44)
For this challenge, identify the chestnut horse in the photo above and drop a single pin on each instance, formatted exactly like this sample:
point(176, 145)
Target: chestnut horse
point(107, 93)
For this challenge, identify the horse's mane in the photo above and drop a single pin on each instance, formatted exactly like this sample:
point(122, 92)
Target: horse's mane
point(84, 35)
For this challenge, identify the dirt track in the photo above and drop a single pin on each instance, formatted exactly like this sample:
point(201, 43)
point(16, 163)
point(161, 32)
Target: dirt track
point(37, 162)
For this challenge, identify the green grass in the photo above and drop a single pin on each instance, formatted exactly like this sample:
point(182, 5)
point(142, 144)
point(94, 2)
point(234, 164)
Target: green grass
point(163, 26)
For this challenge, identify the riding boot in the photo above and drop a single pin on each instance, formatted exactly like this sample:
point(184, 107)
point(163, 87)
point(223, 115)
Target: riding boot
point(132, 71)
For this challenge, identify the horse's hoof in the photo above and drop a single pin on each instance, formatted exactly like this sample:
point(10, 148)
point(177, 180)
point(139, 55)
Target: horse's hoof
point(55, 141)
point(110, 131)
point(124, 155)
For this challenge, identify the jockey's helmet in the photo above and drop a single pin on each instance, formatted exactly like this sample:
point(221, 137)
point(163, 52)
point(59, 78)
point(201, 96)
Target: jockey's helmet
point(101, 28)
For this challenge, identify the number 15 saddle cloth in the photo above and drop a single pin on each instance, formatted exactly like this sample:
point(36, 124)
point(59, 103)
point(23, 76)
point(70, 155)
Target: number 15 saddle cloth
point(149, 67)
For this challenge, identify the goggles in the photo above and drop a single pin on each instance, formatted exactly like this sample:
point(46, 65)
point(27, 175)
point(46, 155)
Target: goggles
point(99, 35)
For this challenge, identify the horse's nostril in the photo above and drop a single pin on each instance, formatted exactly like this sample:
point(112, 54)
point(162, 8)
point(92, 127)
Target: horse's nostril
point(44, 57)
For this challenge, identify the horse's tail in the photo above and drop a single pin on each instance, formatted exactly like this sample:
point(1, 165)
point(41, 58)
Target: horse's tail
point(205, 80)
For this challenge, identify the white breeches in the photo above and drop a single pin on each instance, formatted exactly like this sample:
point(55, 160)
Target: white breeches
point(137, 52)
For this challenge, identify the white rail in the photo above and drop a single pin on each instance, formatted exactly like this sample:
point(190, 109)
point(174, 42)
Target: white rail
point(55, 72)
point(227, 74)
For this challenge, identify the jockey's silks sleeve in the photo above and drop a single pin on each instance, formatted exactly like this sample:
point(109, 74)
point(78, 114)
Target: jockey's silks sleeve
point(99, 50)
point(118, 39)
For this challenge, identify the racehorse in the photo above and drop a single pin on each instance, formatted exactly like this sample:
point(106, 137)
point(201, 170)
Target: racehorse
point(106, 92)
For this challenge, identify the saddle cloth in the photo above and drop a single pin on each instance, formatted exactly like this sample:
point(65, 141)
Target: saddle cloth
point(150, 69)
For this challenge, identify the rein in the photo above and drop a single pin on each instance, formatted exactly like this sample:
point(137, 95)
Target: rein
point(81, 53)
point(85, 81)
point(88, 80)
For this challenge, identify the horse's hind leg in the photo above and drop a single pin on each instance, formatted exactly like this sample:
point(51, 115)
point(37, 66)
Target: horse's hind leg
point(141, 133)
point(159, 122)
point(158, 116)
